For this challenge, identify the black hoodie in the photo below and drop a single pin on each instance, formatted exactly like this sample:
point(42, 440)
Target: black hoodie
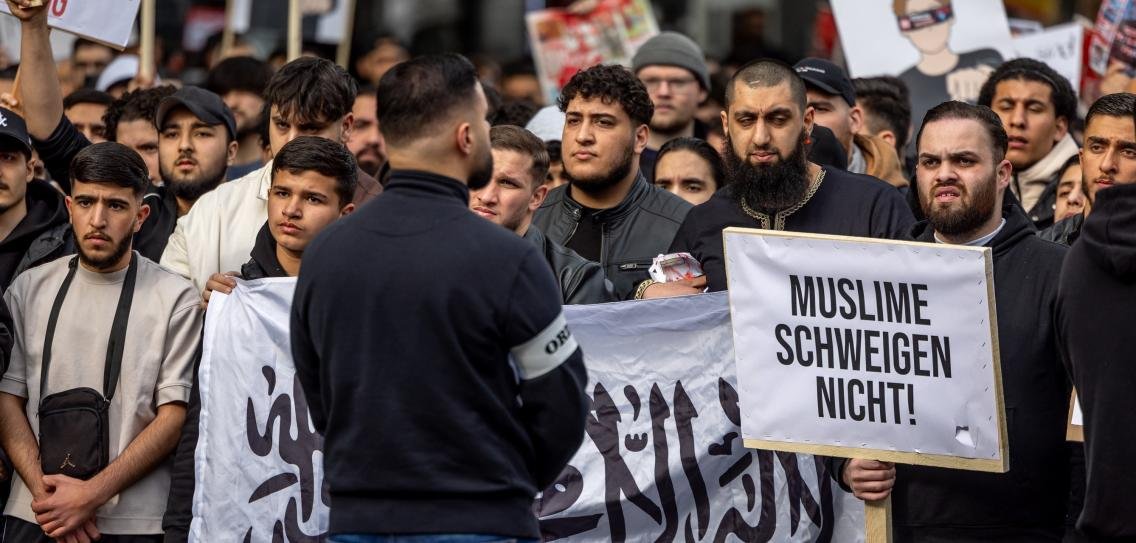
point(1095, 308)
point(44, 234)
point(1028, 502)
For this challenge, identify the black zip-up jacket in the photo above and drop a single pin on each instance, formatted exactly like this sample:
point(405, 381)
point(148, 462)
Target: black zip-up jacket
point(1027, 503)
point(637, 230)
point(44, 235)
point(581, 280)
point(435, 357)
point(1065, 231)
point(1095, 307)
point(179, 505)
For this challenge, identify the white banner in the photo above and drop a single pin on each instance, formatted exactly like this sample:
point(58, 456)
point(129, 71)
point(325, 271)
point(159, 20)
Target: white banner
point(1059, 47)
point(107, 21)
point(662, 459)
point(258, 464)
point(865, 344)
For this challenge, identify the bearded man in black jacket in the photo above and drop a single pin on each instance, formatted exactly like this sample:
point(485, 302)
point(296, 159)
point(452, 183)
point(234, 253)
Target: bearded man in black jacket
point(962, 175)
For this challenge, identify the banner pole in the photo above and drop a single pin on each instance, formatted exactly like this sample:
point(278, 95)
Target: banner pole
point(146, 50)
point(343, 53)
point(877, 521)
point(294, 30)
point(228, 36)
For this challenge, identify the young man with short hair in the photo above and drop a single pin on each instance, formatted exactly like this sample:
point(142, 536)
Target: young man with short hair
point(85, 109)
point(887, 109)
point(608, 212)
point(674, 70)
point(516, 190)
point(484, 374)
point(962, 174)
point(366, 141)
point(313, 182)
point(308, 96)
point(1037, 106)
point(240, 82)
point(66, 313)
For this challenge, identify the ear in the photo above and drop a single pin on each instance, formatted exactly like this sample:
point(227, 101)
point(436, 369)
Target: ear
point(30, 173)
point(725, 121)
point(67, 202)
point(888, 136)
point(642, 134)
point(143, 213)
point(1062, 126)
point(808, 119)
point(346, 210)
point(346, 127)
point(702, 95)
point(1004, 172)
point(856, 118)
point(231, 153)
point(464, 136)
point(538, 197)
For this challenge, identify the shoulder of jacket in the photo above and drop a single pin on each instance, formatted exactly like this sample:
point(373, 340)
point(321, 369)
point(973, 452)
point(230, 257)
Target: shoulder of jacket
point(665, 204)
point(555, 196)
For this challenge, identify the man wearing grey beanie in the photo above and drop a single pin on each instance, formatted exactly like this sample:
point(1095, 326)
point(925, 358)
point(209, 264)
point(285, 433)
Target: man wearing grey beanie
point(673, 69)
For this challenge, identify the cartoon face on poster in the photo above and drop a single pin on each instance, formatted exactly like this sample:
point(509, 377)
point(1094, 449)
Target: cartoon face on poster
point(943, 49)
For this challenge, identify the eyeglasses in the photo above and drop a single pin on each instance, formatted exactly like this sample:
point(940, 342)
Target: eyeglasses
point(924, 19)
point(653, 83)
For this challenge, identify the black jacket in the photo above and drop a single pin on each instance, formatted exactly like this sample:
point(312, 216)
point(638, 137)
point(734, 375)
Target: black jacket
point(1065, 231)
point(1041, 214)
point(1095, 308)
point(44, 235)
point(179, 505)
point(581, 280)
point(637, 230)
point(64, 143)
point(405, 318)
point(1028, 502)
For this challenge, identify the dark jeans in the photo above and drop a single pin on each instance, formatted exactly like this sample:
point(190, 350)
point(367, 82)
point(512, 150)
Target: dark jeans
point(426, 538)
point(20, 531)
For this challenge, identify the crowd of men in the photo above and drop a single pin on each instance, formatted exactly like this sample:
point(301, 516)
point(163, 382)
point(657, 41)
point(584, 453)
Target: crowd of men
point(402, 210)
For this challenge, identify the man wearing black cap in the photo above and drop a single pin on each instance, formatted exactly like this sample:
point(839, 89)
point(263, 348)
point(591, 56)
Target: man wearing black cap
point(673, 69)
point(196, 135)
point(33, 218)
point(833, 100)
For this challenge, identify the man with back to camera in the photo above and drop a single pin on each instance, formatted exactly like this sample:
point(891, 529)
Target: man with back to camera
point(497, 431)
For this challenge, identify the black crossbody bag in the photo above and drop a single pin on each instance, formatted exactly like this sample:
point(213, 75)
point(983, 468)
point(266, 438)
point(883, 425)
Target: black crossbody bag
point(74, 427)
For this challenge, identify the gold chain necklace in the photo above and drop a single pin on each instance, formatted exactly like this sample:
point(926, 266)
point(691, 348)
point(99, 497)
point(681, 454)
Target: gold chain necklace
point(779, 218)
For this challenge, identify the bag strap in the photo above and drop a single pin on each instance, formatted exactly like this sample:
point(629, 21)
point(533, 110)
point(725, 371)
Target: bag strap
point(115, 345)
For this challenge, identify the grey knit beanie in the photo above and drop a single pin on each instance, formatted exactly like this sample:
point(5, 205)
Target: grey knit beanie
point(673, 49)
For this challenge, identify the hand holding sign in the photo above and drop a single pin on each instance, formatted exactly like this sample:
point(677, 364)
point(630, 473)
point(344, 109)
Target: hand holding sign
point(28, 10)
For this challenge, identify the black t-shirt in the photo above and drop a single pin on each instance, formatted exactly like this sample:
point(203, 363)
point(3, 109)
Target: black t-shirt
point(928, 91)
point(588, 238)
point(844, 204)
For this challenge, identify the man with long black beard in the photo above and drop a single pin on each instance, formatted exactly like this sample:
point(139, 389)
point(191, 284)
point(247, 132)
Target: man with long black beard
point(962, 173)
point(608, 212)
point(773, 185)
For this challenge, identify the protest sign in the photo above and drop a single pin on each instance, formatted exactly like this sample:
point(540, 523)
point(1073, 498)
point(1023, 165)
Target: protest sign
point(105, 21)
point(323, 21)
point(564, 42)
point(1114, 37)
point(1059, 47)
point(867, 348)
point(661, 460)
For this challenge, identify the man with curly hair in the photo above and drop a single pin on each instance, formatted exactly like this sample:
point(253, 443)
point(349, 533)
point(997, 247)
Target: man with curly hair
point(608, 212)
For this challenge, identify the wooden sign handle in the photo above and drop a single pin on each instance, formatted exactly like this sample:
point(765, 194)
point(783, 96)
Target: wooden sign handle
point(877, 521)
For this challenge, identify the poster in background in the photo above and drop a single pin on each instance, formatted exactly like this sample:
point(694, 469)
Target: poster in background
point(1060, 47)
point(106, 21)
point(563, 42)
point(1114, 37)
point(662, 456)
point(941, 52)
point(857, 346)
point(323, 21)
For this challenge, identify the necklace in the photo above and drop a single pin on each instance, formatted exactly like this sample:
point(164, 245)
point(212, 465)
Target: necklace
point(779, 218)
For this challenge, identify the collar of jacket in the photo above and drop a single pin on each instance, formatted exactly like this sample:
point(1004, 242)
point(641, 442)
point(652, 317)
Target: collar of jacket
point(427, 183)
point(639, 190)
point(1018, 226)
point(263, 257)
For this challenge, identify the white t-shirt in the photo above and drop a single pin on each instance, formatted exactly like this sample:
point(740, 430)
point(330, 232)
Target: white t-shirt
point(162, 334)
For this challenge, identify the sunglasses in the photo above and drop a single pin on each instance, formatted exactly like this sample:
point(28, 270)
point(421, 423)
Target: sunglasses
point(924, 19)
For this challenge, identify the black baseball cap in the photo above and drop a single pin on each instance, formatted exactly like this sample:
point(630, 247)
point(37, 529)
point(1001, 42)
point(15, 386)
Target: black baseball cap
point(827, 77)
point(13, 127)
point(205, 105)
